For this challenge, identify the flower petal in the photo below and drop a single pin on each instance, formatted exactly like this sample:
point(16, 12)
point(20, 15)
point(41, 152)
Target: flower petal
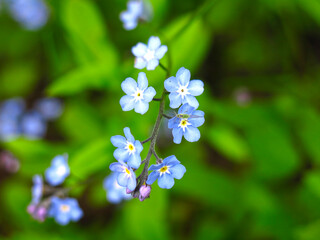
point(121, 154)
point(134, 161)
point(183, 76)
point(192, 134)
point(152, 64)
point(140, 63)
point(195, 87)
point(155, 167)
point(171, 161)
point(138, 146)
point(198, 118)
point(177, 135)
point(76, 213)
point(141, 107)
point(175, 100)
point(129, 86)
point(192, 101)
point(122, 179)
point(177, 171)
point(186, 109)
point(127, 103)
point(161, 51)
point(139, 50)
point(171, 84)
point(153, 176)
point(154, 43)
point(132, 183)
point(173, 123)
point(148, 94)
point(116, 167)
point(118, 141)
point(128, 134)
point(166, 181)
point(142, 81)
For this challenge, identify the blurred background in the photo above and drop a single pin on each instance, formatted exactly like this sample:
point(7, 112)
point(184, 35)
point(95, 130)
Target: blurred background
point(254, 174)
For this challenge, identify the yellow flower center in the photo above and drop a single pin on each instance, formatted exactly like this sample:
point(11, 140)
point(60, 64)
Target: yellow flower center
point(64, 208)
point(164, 169)
point(139, 94)
point(127, 171)
point(184, 123)
point(131, 147)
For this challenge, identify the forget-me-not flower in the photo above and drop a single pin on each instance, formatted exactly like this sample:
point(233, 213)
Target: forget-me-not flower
point(138, 95)
point(33, 126)
point(149, 56)
point(136, 9)
point(128, 149)
point(182, 90)
point(49, 108)
point(185, 124)
point(165, 172)
point(37, 189)
point(125, 175)
point(115, 192)
point(58, 171)
point(65, 210)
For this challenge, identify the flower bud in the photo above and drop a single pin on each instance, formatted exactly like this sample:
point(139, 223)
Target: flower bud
point(31, 208)
point(40, 213)
point(144, 192)
point(128, 191)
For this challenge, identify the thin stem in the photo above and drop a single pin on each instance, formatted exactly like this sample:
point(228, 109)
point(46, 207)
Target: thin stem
point(159, 160)
point(147, 140)
point(156, 99)
point(166, 116)
point(164, 68)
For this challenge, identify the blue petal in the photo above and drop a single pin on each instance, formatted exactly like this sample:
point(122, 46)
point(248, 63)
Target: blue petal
point(138, 146)
point(114, 196)
point(132, 183)
point(171, 84)
point(175, 100)
point(192, 134)
point(173, 123)
point(123, 179)
point(177, 135)
point(166, 181)
point(128, 134)
point(195, 87)
point(177, 171)
point(152, 64)
point(154, 43)
point(186, 109)
point(118, 141)
point(127, 103)
point(59, 160)
point(148, 94)
point(116, 167)
point(183, 76)
point(134, 161)
point(76, 213)
point(197, 121)
point(121, 154)
point(161, 51)
point(62, 219)
point(152, 177)
point(155, 167)
point(129, 86)
point(192, 101)
point(140, 63)
point(139, 50)
point(171, 161)
point(130, 24)
point(142, 81)
point(141, 107)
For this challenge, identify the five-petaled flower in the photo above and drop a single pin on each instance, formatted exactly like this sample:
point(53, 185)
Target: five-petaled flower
point(58, 170)
point(128, 149)
point(115, 192)
point(185, 124)
point(182, 90)
point(149, 56)
point(138, 95)
point(136, 9)
point(165, 172)
point(65, 210)
point(126, 177)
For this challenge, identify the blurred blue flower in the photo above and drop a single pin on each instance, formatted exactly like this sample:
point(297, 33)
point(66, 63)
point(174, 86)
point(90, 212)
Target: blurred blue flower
point(12, 109)
point(9, 129)
point(165, 172)
point(65, 210)
point(185, 124)
point(31, 14)
point(49, 108)
point(128, 149)
point(33, 126)
point(115, 192)
point(58, 171)
point(37, 189)
point(182, 90)
point(125, 175)
point(138, 95)
point(149, 56)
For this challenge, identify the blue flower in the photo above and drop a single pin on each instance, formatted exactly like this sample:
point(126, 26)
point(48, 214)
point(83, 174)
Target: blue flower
point(138, 95)
point(115, 192)
point(9, 129)
point(137, 9)
point(149, 56)
point(31, 14)
point(185, 124)
point(58, 171)
point(33, 126)
point(128, 149)
point(65, 210)
point(12, 109)
point(37, 189)
point(182, 90)
point(165, 172)
point(125, 175)
point(49, 108)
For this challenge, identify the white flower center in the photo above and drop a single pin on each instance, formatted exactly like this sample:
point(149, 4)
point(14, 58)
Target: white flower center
point(130, 147)
point(183, 90)
point(163, 170)
point(138, 95)
point(65, 208)
point(149, 55)
point(61, 170)
point(184, 123)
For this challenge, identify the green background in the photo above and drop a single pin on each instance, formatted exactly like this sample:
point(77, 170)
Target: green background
point(254, 174)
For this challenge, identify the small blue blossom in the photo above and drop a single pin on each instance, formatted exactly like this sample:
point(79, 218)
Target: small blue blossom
point(58, 171)
point(9, 129)
point(149, 56)
point(49, 108)
point(128, 149)
point(37, 189)
point(165, 172)
point(125, 175)
point(31, 14)
point(115, 192)
point(185, 124)
point(12, 109)
point(33, 126)
point(65, 210)
point(138, 95)
point(182, 90)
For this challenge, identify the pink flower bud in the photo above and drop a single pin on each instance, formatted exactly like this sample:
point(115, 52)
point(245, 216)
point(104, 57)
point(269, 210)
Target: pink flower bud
point(31, 208)
point(128, 191)
point(144, 192)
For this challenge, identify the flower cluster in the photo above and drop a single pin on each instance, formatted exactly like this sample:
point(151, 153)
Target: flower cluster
point(182, 93)
point(16, 121)
point(49, 200)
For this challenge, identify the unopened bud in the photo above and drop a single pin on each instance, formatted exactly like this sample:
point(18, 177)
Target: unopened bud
point(144, 192)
